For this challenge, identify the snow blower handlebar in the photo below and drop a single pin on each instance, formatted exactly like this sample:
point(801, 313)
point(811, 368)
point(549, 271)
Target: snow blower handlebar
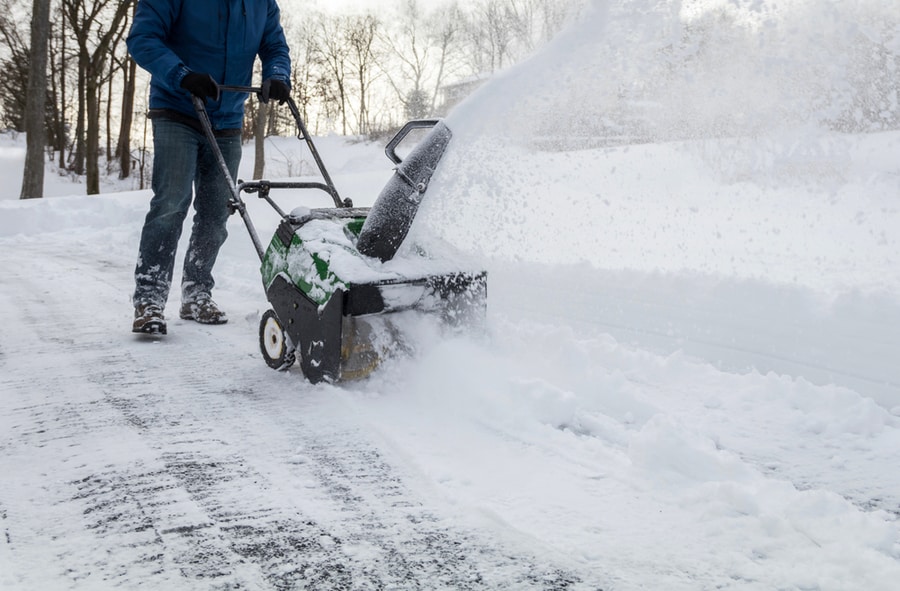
point(302, 134)
point(391, 147)
point(262, 187)
point(235, 202)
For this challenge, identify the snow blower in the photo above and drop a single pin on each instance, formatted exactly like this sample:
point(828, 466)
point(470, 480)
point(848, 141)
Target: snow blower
point(336, 277)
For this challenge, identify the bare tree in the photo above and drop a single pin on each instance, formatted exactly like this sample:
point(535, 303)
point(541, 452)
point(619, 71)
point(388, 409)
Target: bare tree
point(407, 46)
point(128, 67)
point(501, 31)
point(58, 91)
point(345, 69)
point(303, 66)
point(97, 27)
point(360, 33)
point(33, 177)
point(423, 49)
point(341, 72)
point(123, 147)
point(15, 68)
point(446, 34)
point(332, 54)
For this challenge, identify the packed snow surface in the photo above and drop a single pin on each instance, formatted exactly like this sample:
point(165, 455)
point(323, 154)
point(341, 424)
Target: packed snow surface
point(690, 378)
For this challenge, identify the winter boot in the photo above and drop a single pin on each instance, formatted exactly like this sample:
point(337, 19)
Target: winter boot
point(203, 310)
point(149, 319)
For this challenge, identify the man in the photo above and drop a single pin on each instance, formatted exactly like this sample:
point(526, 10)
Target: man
point(190, 47)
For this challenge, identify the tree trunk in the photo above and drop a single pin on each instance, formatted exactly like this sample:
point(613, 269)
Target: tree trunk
point(143, 164)
point(92, 136)
point(109, 96)
point(33, 176)
point(363, 109)
point(123, 148)
point(61, 105)
point(78, 155)
point(259, 142)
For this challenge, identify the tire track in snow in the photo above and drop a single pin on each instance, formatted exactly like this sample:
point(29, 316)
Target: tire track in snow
point(382, 537)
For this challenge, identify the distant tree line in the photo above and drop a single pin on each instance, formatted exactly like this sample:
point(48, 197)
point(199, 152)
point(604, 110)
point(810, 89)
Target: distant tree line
point(71, 85)
point(729, 69)
point(356, 73)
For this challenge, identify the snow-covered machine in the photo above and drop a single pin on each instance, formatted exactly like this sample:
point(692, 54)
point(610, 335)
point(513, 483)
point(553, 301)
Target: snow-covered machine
point(336, 277)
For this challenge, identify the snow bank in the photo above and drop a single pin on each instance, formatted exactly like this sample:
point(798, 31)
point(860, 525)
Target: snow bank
point(651, 466)
point(61, 214)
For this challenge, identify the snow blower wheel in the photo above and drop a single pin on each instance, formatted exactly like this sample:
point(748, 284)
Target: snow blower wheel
point(274, 342)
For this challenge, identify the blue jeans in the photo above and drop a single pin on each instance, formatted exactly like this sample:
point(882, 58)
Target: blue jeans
point(183, 161)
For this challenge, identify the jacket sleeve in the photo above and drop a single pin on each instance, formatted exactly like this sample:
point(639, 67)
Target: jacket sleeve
point(273, 50)
point(146, 41)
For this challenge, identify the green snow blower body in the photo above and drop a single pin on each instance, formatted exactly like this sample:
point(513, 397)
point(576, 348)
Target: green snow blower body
point(330, 302)
point(337, 277)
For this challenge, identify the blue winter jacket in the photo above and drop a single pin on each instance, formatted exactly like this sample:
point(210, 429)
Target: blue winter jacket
point(170, 38)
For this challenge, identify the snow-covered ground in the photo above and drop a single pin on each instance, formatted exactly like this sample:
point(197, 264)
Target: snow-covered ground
point(690, 381)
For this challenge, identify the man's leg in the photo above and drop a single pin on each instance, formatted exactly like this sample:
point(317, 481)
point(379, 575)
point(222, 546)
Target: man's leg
point(174, 167)
point(209, 230)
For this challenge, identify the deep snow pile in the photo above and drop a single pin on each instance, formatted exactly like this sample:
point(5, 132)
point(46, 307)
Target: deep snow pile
point(770, 191)
point(690, 379)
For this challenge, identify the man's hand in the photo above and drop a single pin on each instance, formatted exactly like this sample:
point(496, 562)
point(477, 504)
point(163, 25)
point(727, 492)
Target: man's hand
point(273, 88)
point(201, 85)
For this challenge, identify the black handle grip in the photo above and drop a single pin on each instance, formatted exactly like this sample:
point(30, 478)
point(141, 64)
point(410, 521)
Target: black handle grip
point(391, 146)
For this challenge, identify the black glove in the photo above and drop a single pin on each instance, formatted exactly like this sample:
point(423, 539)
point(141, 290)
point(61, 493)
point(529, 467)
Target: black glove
point(276, 89)
point(201, 85)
